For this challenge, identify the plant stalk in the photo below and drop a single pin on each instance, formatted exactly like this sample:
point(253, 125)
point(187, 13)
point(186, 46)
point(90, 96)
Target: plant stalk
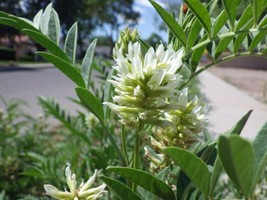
point(115, 146)
point(124, 144)
point(136, 156)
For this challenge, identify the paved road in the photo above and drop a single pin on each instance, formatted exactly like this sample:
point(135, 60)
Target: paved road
point(27, 84)
point(229, 104)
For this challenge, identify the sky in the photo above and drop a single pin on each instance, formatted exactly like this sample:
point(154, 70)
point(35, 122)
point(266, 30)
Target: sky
point(147, 24)
point(148, 16)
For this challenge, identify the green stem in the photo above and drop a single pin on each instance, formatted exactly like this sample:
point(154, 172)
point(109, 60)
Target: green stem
point(115, 146)
point(136, 155)
point(124, 144)
point(224, 35)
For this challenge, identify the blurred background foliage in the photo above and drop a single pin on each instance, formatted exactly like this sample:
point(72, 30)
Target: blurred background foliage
point(106, 15)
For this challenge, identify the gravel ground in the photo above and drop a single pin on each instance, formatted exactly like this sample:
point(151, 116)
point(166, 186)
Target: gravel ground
point(253, 82)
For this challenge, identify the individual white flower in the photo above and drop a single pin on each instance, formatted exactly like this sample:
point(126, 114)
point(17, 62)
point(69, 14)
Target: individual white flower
point(83, 192)
point(145, 85)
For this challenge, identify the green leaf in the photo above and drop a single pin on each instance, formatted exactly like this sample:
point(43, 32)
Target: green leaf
point(145, 180)
point(201, 13)
point(193, 34)
point(192, 166)
point(170, 22)
point(183, 182)
point(216, 172)
point(258, 6)
point(87, 64)
point(16, 22)
point(263, 23)
point(219, 23)
point(107, 91)
point(242, 37)
point(53, 108)
point(47, 43)
point(260, 148)
point(120, 190)
point(37, 19)
point(212, 6)
point(197, 54)
point(54, 27)
point(64, 67)
point(244, 19)
point(143, 44)
point(256, 40)
point(91, 102)
point(237, 157)
point(236, 129)
point(71, 43)
point(230, 7)
point(7, 21)
point(222, 46)
point(45, 19)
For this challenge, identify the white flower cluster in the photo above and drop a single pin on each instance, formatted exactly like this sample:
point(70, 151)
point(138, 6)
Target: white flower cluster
point(83, 192)
point(145, 85)
point(187, 121)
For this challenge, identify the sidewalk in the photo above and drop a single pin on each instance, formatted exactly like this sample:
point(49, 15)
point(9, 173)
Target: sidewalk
point(18, 66)
point(229, 104)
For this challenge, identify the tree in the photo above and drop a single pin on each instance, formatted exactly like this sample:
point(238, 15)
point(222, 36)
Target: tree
point(7, 6)
point(90, 14)
point(110, 15)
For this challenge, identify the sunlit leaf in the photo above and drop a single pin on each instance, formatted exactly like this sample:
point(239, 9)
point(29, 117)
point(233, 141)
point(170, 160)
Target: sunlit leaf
point(258, 6)
point(87, 64)
point(244, 19)
point(240, 39)
point(201, 13)
point(193, 34)
point(257, 39)
point(37, 19)
point(45, 19)
point(222, 46)
point(17, 22)
point(219, 23)
point(71, 43)
point(230, 7)
point(237, 157)
point(197, 53)
point(263, 22)
point(54, 27)
point(236, 129)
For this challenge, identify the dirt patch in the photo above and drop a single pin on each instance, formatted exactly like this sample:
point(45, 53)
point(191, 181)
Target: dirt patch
point(253, 82)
